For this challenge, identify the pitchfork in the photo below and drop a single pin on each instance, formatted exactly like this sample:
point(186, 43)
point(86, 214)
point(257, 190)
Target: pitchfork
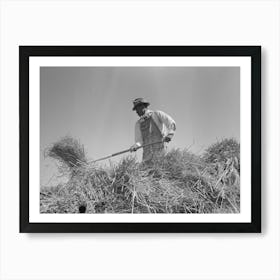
point(124, 151)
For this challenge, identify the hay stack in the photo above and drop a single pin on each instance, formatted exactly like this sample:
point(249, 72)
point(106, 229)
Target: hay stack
point(177, 182)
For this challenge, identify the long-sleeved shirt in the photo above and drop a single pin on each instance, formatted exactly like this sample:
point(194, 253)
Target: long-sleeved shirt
point(164, 122)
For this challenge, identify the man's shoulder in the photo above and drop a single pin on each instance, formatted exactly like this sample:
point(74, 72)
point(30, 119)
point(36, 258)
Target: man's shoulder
point(159, 113)
point(162, 116)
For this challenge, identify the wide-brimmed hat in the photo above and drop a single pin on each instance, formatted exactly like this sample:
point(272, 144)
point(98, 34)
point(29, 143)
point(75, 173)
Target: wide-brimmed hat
point(139, 101)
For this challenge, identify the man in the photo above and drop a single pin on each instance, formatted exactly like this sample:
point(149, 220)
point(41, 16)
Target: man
point(153, 126)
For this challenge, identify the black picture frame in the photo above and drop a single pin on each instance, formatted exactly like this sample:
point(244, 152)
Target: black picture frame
point(254, 52)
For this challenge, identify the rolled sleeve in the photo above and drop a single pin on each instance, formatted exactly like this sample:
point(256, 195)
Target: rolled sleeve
point(169, 124)
point(138, 134)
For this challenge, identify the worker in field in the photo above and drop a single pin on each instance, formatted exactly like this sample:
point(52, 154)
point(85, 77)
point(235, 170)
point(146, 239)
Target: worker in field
point(152, 126)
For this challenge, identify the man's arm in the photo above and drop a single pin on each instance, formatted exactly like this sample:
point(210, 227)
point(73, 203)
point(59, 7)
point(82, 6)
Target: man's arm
point(169, 124)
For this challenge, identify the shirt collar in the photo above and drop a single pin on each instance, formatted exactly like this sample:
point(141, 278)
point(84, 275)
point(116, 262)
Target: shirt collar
point(147, 114)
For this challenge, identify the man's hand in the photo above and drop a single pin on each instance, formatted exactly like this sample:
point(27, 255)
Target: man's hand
point(167, 138)
point(134, 147)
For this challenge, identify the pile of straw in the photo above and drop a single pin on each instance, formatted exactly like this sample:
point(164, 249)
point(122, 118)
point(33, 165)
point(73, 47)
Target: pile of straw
point(222, 150)
point(177, 182)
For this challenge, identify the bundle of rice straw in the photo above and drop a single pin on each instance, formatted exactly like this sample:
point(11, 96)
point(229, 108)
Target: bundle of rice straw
point(68, 151)
point(222, 150)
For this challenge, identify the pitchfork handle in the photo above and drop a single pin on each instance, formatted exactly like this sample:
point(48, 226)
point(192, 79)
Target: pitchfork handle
point(127, 150)
point(119, 153)
point(149, 144)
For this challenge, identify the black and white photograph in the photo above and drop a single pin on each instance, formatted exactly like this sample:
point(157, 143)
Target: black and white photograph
point(141, 139)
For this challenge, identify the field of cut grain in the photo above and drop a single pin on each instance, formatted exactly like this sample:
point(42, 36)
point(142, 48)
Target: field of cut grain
point(176, 182)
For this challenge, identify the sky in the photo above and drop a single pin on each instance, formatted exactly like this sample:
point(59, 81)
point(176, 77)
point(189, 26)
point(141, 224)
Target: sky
point(94, 105)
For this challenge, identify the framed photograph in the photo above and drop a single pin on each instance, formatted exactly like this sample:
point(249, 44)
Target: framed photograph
point(140, 139)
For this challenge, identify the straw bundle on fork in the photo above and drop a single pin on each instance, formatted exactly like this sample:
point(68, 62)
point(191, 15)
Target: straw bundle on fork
point(68, 151)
